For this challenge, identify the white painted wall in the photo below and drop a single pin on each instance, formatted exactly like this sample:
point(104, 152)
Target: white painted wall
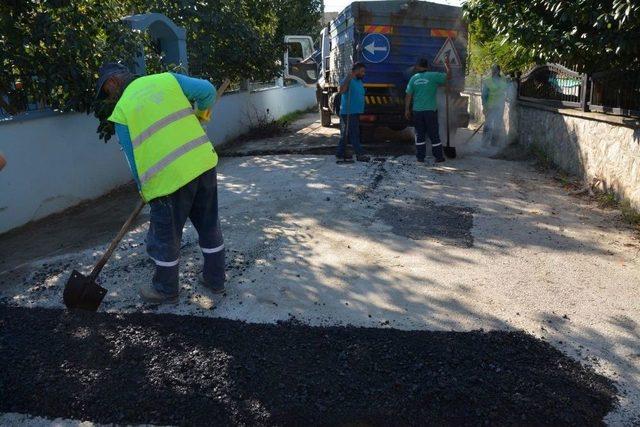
point(57, 161)
point(234, 113)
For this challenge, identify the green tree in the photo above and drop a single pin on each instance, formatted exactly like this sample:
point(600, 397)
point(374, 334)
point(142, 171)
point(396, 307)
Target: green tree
point(239, 39)
point(591, 34)
point(299, 17)
point(52, 49)
point(487, 48)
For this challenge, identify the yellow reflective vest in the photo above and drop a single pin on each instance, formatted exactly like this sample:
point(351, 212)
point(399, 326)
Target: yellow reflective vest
point(170, 148)
point(496, 90)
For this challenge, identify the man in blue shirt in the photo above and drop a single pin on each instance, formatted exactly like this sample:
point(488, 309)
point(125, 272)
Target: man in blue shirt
point(351, 106)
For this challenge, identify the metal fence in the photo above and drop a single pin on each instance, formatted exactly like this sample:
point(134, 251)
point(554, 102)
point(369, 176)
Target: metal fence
point(615, 92)
point(20, 102)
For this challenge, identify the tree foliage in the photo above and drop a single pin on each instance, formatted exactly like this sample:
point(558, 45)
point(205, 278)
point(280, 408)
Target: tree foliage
point(52, 49)
point(591, 34)
point(487, 48)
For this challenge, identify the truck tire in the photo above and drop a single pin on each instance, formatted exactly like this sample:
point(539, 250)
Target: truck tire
point(325, 116)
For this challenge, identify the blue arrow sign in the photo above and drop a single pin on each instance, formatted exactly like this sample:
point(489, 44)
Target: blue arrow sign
point(375, 47)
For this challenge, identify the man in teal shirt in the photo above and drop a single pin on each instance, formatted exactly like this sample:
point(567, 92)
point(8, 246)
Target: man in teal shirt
point(421, 105)
point(351, 106)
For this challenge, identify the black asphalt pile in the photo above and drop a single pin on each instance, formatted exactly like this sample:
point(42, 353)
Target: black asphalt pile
point(166, 369)
point(423, 219)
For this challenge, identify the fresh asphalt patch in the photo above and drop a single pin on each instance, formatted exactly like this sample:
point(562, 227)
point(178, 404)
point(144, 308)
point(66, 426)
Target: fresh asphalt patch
point(423, 219)
point(167, 369)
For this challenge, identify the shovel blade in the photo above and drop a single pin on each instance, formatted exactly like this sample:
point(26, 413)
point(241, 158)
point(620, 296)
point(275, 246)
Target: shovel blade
point(450, 152)
point(82, 293)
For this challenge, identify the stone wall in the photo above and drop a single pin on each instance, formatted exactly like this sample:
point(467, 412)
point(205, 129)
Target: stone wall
point(589, 145)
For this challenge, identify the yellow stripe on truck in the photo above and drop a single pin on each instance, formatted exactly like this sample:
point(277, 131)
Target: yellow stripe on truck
point(380, 29)
point(439, 32)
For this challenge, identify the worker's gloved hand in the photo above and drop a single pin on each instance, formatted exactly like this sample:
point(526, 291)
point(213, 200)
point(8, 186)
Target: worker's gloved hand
point(203, 115)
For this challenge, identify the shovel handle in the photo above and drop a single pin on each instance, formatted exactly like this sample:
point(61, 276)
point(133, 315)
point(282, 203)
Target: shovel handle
point(474, 132)
point(114, 243)
point(446, 101)
point(223, 87)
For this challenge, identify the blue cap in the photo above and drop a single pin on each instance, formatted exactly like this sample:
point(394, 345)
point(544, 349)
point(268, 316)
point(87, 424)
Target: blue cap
point(108, 70)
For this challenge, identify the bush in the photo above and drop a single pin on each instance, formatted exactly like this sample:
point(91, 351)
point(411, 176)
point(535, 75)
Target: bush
point(629, 213)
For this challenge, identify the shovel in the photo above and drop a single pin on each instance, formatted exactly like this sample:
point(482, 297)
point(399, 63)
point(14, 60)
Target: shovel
point(82, 291)
point(449, 151)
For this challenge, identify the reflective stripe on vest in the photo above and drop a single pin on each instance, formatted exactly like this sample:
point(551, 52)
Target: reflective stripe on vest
point(170, 148)
point(146, 134)
point(172, 156)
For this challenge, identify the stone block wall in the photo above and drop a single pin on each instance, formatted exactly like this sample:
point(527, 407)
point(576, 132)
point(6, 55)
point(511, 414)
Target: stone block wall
point(589, 145)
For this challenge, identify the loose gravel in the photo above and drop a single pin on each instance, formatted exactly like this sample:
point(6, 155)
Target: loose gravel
point(423, 219)
point(167, 369)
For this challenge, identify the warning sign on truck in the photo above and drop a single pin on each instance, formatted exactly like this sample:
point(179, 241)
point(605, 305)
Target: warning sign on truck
point(448, 50)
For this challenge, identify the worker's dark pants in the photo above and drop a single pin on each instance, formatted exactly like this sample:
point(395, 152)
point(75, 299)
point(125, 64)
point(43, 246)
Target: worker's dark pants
point(352, 134)
point(494, 123)
point(198, 201)
point(426, 124)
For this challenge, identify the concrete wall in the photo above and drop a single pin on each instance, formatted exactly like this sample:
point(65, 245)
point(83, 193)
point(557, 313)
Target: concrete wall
point(56, 161)
point(236, 112)
point(474, 106)
point(589, 145)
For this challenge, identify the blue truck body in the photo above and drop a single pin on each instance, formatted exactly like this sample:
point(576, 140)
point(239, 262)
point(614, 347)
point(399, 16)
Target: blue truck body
point(408, 30)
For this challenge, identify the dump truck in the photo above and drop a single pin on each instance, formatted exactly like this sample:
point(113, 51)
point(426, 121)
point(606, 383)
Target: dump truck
point(388, 37)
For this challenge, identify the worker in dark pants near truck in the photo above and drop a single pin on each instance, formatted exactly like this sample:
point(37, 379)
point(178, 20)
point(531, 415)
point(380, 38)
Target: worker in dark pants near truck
point(351, 106)
point(421, 107)
point(174, 166)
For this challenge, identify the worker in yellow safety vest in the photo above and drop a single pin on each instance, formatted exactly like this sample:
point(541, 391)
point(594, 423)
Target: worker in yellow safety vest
point(494, 91)
point(174, 166)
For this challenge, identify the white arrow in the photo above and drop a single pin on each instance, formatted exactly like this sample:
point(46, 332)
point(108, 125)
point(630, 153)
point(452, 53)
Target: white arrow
point(372, 48)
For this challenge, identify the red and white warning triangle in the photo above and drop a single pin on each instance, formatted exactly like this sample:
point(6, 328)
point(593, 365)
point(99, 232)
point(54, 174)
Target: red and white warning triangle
point(448, 50)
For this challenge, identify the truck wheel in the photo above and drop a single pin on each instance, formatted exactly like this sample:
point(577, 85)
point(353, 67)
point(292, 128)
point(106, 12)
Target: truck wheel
point(325, 117)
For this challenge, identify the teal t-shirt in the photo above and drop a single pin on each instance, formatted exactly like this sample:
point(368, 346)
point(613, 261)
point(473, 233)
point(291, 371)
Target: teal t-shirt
point(356, 99)
point(424, 88)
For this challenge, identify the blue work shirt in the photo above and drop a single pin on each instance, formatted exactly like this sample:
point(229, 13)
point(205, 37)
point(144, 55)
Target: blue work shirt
point(198, 91)
point(354, 96)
